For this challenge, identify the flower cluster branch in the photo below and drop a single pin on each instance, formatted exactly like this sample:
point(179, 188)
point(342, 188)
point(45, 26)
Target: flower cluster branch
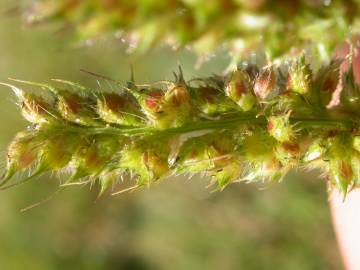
point(253, 124)
point(280, 28)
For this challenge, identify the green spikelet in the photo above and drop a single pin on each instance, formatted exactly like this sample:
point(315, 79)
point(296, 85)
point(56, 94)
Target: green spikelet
point(280, 128)
point(239, 89)
point(356, 143)
point(146, 160)
point(327, 80)
point(340, 158)
point(211, 101)
point(288, 153)
point(57, 150)
point(206, 153)
point(350, 95)
point(93, 155)
point(244, 126)
point(75, 108)
point(22, 153)
point(315, 151)
point(35, 108)
point(119, 109)
point(300, 79)
point(265, 84)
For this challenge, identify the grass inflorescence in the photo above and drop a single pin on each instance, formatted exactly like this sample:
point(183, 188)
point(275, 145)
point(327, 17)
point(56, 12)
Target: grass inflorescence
point(253, 124)
point(241, 26)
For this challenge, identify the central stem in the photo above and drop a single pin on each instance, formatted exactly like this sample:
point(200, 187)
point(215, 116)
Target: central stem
point(218, 124)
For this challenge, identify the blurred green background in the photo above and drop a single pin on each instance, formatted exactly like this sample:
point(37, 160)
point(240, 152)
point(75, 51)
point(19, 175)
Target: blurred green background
point(177, 224)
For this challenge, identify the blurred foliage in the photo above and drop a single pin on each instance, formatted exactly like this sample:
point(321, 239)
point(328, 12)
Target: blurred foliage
point(280, 28)
point(177, 224)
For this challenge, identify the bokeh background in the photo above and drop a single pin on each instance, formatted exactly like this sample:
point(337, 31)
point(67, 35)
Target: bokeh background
point(177, 224)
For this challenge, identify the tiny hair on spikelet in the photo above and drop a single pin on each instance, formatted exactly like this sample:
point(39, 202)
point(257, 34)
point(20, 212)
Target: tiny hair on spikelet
point(253, 124)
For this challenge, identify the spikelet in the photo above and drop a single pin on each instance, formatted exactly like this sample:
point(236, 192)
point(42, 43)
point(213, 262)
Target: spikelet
point(339, 155)
point(244, 126)
point(22, 152)
point(300, 79)
point(265, 84)
point(280, 128)
point(119, 109)
point(239, 89)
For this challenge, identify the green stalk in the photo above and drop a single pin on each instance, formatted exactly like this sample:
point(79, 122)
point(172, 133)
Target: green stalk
point(222, 124)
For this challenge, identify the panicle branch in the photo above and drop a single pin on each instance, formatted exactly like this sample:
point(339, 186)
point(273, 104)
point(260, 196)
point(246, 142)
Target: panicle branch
point(253, 124)
point(241, 26)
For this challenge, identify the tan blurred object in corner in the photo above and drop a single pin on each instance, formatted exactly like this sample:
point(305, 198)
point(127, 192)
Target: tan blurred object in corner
point(346, 218)
point(346, 214)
